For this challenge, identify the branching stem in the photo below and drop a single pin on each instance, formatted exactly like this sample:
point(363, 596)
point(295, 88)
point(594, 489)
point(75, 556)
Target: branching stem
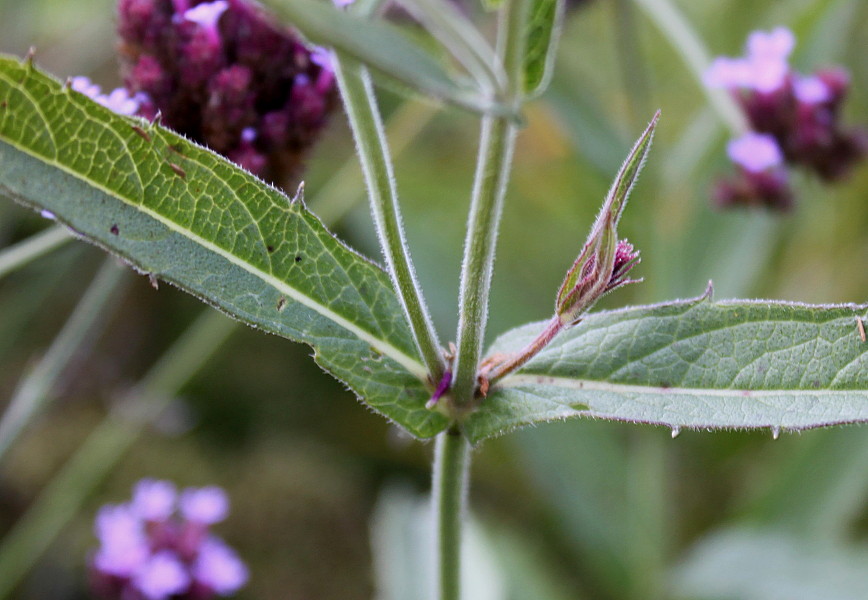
point(360, 102)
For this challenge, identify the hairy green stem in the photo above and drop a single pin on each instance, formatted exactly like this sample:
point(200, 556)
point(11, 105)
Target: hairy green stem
point(360, 102)
point(84, 323)
point(15, 257)
point(105, 446)
point(449, 494)
point(684, 39)
point(492, 174)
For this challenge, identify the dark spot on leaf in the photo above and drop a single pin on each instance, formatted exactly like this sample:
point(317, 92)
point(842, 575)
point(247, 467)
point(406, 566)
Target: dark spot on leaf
point(4, 104)
point(178, 170)
point(298, 259)
point(176, 149)
point(114, 229)
point(270, 249)
point(815, 383)
point(281, 304)
point(141, 133)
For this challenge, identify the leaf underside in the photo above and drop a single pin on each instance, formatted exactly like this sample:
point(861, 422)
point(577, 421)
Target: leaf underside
point(185, 215)
point(690, 364)
point(542, 34)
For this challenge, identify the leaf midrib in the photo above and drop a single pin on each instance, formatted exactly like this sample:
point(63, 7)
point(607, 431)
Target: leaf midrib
point(620, 388)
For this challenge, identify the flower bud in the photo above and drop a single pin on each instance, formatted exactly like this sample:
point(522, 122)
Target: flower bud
point(604, 261)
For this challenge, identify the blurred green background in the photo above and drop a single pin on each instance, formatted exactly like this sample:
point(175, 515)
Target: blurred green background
point(327, 496)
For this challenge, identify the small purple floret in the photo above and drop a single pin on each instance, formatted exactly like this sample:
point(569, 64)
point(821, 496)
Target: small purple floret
point(154, 500)
point(218, 568)
point(207, 14)
point(150, 552)
point(811, 90)
point(206, 505)
point(442, 388)
point(162, 576)
point(755, 152)
point(776, 44)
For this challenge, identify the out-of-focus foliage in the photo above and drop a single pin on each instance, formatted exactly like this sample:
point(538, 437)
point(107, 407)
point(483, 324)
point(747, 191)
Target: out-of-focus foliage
point(610, 511)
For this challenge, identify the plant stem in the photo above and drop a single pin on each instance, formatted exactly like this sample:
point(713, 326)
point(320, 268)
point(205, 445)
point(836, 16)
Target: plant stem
point(449, 493)
point(489, 187)
point(677, 29)
point(15, 257)
point(357, 93)
point(59, 501)
point(83, 324)
point(533, 348)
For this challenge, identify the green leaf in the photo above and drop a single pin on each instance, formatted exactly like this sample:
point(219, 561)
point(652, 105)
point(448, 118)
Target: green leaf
point(451, 26)
point(383, 47)
point(690, 364)
point(543, 32)
point(758, 564)
point(183, 214)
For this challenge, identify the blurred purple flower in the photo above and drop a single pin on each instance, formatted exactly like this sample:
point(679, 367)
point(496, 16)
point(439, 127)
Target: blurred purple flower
point(218, 568)
point(755, 152)
point(794, 118)
point(162, 576)
point(154, 500)
point(217, 69)
point(149, 552)
point(118, 100)
point(206, 505)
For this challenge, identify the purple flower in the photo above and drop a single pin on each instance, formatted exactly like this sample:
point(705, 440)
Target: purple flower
point(811, 90)
point(119, 100)
point(206, 505)
point(218, 568)
point(124, 546)
point(163, 575)
point(764, 69)
point(755, 152)
point(149, 552)
point(85, 86)
point(154, 500)
point(215, 69)
point(207, 14)
point(776, 44)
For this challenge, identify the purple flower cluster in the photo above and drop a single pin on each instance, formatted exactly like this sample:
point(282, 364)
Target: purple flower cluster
point(148, 552)
point(223, 74)
point(794, 118)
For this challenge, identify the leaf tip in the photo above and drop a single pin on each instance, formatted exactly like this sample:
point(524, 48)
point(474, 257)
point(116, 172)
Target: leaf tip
point(708, 294)
point(28, 58)
point(298, 198)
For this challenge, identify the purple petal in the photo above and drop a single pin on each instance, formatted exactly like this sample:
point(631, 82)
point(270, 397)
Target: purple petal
point(768, 74)
point(219, 568)
point(206, 505)
point(729, 73)
point(811, 90)
point(120, 101)
point(755, 152)
point(207, 14)
point(154, 500)
point(85, 86)
point(162, 576)
point(776, 44)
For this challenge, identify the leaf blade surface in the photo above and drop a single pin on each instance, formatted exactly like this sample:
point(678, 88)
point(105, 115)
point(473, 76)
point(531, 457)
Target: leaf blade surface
point(691, 364)
point(180, 212)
